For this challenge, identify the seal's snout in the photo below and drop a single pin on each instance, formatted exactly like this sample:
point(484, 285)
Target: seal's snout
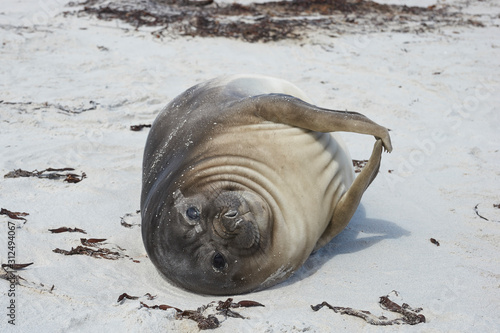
point(235, 221)
point(231, 222)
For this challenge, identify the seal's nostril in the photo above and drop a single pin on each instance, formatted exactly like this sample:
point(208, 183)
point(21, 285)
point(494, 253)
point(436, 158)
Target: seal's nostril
point(231, 214)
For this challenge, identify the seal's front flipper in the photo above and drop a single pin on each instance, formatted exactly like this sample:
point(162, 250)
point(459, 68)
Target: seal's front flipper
point(293, 111)
point(349, 202)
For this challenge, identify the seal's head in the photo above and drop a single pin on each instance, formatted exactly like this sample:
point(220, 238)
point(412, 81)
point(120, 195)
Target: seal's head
point(213, 243)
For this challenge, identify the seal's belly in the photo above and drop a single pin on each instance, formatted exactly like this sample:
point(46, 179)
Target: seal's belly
point(302, 174)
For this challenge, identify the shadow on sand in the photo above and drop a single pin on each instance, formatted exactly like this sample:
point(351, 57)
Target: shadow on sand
point(349, 241)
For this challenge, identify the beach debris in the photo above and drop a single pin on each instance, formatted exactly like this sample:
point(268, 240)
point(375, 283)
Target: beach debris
point(76, 110)
point(11, 277)
point(139, 127)
point(125, 224)
point(150, 297)
point(434, 241)
point(14, 215)
point(74, 178)
point(11, 274)
point(46, 105)
point(273, 20)
point(477, 213)
point(127, 296)
point(96, 253)
point(102, 48)
point(247, 304)
point(16, 266)
point(66, 229)
point(489, 211)
point(49, 173)
point(204, 323)
point(358, 165)
point(410, 316)
point(127, 216)
point(224, 308)
point(91, 241)
point(204, 319)
point(92, 247)
point(161, 307)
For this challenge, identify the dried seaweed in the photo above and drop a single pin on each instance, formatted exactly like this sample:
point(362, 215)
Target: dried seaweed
point(76, 110)
point(98, 252)
point(161, 307)
point(224, 308)
point(14, 278)
point(83, 250)
point(49, 173)
point(128, 225)
point(273, 21)
point(66, 229)
point(359, 165)
point(16, 266)
point(150, 297)
point(64, 109)
point(91, 241)
point(477, 213)
point(434, 241)
point(247, 304)
point(14, 215)
point(74, 178)
point(409, 316)
point(491, 213)
point(139, 127)
point(209, 321)
point(264, 29)
point(125, 224)
point(204, 323)
point(11, 277)
point(127, 296)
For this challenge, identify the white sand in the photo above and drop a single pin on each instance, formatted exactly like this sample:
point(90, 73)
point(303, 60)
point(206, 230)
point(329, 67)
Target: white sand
point(446, 160)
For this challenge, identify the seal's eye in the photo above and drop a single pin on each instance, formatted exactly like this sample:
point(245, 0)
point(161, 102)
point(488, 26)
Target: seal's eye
point(219, 262)
point(193, 213)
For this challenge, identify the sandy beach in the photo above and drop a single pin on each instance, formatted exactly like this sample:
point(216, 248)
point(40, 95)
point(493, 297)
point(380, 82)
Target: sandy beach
point(71, 85)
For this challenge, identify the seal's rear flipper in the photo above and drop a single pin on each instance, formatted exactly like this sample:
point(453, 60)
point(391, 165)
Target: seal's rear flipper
point(349, 201)
point(293, 111)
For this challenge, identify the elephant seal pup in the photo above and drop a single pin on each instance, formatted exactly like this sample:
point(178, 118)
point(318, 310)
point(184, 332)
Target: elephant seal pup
point(242, 180)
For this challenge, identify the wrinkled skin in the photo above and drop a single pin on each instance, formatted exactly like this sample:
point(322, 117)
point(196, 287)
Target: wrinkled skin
point(242, 180)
